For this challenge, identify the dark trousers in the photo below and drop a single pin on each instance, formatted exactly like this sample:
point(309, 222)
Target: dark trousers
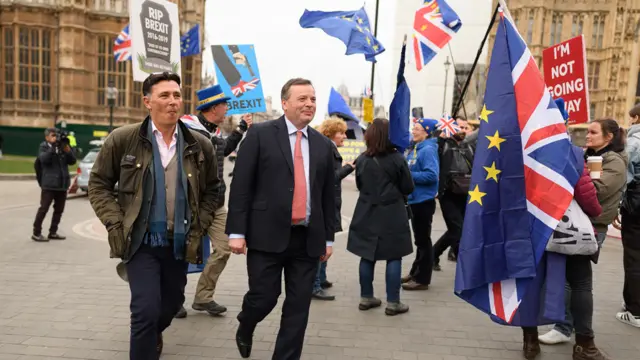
point(59, 198)
point(157, 281)
point(631, 261)
point(393, 278)
point(453, 207)
point(578, 297)
point(421, 223)
point(265, 279)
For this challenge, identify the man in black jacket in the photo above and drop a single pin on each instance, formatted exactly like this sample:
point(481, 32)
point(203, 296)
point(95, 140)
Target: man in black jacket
point(212, 107)
point(54, 158)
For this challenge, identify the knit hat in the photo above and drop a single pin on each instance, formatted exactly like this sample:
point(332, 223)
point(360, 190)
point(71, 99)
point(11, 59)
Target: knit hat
point(429, 125)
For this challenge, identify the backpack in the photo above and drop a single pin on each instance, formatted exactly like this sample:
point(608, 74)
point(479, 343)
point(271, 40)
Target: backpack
point(461, 163)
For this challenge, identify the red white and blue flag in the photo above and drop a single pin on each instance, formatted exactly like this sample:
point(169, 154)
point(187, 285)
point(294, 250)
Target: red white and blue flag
point(448, 125)
point(522, 183)
point(434, 26)
point(122, 45)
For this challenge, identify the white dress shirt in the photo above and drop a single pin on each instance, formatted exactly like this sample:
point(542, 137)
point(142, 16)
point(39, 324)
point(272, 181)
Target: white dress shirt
point(166, 152)
point(292, 131)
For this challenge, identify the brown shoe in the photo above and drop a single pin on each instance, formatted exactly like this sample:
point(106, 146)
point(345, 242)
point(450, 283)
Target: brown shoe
point(531, 344)
point(406, 279)
point(413, 285)
point(585, 349)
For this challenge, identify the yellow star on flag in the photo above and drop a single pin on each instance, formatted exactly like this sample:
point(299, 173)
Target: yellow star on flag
point(375, 47)
point(492, 172)
point(476, 195)
point(484, 115)
point(368, 41)
point(360, 21)
point(495, 140)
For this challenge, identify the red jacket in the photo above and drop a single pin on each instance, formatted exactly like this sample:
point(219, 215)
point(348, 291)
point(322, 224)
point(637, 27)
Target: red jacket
point(586, 195)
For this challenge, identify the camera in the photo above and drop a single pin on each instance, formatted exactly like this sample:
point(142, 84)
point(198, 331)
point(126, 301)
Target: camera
point(62, 138)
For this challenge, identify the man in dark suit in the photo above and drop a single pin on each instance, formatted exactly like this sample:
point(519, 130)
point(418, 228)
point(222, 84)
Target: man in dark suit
point(282, 209)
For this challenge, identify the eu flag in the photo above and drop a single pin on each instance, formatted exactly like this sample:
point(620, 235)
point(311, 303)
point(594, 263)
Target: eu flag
point(522, 183)
point(399, 111)
point(351, 27)
point(190, 42)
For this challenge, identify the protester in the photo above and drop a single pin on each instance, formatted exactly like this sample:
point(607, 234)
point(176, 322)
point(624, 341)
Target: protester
point(167, 182)
point(335, 130)
point(606, 139)
point(380, 229)
point(282, 215)
point(456, 162)
point(630, 222)
point(424, 166)
point(212, 107)
point(53, 163)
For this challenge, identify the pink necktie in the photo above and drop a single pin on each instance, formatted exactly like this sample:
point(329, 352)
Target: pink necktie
point(299, 206)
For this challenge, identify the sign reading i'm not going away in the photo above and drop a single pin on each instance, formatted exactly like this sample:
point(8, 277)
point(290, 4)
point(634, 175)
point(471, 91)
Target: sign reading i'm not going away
point(155, 37)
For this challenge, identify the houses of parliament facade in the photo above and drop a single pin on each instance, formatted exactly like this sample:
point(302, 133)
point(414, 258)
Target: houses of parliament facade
point(57, 60)
point(611, 30)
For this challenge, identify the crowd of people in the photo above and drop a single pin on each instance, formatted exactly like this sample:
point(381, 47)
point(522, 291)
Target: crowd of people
point(284, 209)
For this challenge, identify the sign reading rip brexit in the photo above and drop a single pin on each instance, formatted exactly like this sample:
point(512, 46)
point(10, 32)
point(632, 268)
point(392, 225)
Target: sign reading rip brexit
point(565, 73)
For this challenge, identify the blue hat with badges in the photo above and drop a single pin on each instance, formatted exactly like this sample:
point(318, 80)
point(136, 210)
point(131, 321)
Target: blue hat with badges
point(210, 96)
point(429, 125)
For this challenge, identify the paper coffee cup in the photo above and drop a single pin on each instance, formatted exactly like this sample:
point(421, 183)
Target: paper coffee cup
point(594, 164)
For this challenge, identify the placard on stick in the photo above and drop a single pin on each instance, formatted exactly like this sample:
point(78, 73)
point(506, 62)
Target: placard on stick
point(565, 73)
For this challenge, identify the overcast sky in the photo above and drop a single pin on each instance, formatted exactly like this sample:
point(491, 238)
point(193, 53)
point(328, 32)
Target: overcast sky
point(285, 50)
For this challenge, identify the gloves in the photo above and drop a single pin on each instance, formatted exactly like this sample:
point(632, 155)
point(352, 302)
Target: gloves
point(243, 126)
point(117, 243)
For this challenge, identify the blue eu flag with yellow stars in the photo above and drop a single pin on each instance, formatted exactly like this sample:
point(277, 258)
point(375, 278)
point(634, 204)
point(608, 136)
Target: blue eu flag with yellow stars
point(522, 182)
point(190, 42)
point(351, 27)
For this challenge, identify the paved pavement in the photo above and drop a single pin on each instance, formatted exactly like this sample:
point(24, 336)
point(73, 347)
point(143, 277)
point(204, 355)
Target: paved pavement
point(63, 300)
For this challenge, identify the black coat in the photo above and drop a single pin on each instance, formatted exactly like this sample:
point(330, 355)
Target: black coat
point(341, 173)
point(380, 227)
point(261, 191)
point(55, 167)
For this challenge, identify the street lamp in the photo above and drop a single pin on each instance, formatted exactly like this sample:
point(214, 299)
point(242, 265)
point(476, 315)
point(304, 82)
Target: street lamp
point(446, 77)
point(112, 95)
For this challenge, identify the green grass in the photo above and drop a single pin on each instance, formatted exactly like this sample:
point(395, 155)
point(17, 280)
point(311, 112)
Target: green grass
point(11, 164)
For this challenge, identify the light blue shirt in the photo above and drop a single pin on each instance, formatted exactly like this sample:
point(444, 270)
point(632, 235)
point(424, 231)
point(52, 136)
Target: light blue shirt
point(304, 145)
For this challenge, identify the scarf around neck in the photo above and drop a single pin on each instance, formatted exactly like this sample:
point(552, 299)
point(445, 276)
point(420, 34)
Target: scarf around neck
point(157, 235)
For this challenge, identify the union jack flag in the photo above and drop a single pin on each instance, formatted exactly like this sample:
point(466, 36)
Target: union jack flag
point(448, 125)
point(244, 86)
point(434, 25)
point(122, 45)
point(521, 184)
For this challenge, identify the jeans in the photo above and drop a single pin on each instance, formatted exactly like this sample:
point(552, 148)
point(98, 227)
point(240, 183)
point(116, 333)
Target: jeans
point(321, 276)
point(453, 207)
point(393, 278)
point(578, 298)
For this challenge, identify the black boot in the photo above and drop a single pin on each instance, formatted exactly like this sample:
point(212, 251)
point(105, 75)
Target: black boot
point(531, 345)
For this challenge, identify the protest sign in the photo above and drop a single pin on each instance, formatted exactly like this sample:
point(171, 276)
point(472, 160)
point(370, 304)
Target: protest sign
point(155, 37)
point(351, 149)
point(565, 73)
point(367, 110)
point(237, 72)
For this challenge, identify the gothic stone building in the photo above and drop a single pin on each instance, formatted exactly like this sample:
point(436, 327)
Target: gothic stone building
point(57, 59)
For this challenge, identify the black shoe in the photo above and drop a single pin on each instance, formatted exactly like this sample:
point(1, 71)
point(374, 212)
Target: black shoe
point(160, 345)
point(436, 267)
point(322, 295)
point(212, 308)
point(244, 342)
point(181, 314)
point(452, 257)
point(39, 238)
point(56, 236)
point(326, 284)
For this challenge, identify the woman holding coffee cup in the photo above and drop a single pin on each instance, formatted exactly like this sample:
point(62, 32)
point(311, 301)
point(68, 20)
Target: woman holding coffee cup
point(606, 161)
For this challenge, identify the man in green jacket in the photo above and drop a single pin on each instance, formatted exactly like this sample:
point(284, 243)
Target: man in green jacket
point(167, 181)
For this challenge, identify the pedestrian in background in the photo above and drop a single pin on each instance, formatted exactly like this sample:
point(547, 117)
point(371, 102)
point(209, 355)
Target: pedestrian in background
point(424, 166)
point(335, 129)
point(380, 229)
point(54, 158)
